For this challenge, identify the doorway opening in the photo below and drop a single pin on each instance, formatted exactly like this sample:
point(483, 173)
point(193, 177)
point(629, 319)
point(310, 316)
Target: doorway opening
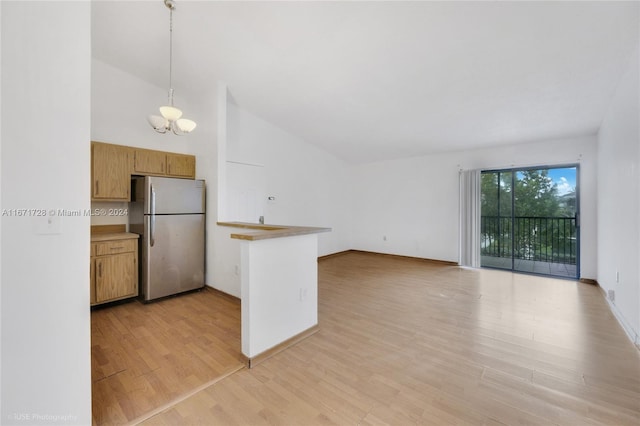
point(530, 220)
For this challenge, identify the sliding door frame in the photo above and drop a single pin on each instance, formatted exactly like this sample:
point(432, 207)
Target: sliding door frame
point(514, 171)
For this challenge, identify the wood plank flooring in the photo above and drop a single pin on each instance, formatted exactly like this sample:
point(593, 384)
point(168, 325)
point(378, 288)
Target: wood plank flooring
point(405, 341)
point(145, 356)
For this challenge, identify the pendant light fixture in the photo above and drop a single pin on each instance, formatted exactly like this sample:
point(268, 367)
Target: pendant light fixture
point(171, 116)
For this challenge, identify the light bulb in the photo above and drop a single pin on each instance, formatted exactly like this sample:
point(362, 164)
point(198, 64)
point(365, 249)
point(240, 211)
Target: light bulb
point(160, 124)
point(171, 113)
point(185, 125)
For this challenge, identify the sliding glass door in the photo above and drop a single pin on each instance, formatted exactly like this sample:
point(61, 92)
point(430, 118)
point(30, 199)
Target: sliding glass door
point(529, 220)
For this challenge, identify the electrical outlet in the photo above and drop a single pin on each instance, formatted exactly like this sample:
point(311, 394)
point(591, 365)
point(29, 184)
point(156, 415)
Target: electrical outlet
point(612, 295)
point(384, 238)
point(237, 269)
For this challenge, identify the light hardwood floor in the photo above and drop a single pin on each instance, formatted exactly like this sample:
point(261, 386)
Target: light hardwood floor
point(145, 356)
point(405, 341)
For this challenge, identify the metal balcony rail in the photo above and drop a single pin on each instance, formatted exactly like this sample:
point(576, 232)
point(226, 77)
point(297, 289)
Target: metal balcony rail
point(543, 239)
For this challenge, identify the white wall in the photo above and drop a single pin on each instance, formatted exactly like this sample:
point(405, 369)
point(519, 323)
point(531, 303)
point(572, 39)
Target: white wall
point(121, 102)
point(226, 272)
point(311, 187)
point(618, 201)
point(1, 416)
point(45, 165)
point(279, 290)
point(414, 202)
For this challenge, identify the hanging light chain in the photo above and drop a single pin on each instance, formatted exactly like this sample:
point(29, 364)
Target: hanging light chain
point(171, 6)
point(171, 116)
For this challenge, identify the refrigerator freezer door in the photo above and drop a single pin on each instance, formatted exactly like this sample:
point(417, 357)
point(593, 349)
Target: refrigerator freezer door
point(175, 262)
point(173, 196)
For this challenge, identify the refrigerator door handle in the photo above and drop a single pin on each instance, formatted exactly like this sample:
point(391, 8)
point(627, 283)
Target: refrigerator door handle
point(152, 219)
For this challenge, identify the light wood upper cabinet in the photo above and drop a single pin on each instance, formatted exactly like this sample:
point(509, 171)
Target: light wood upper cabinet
point(113, 165)
point(111, 172)
point(148, 162)
point(180, 165)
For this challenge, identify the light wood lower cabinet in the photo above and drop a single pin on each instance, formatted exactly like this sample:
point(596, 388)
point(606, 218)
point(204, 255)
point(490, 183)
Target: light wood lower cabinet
point(93, 281)
point(114, 270)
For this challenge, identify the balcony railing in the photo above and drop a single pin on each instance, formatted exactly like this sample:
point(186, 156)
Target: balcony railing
point(544, 239)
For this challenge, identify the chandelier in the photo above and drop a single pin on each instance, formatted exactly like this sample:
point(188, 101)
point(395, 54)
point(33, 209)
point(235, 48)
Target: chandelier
point(171, 116)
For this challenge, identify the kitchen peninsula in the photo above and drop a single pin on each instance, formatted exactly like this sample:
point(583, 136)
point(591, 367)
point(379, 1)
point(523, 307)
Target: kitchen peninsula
point(279, 285)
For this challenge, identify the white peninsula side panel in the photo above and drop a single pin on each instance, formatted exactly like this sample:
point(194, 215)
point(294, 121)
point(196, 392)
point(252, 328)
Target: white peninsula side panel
point(279, 287)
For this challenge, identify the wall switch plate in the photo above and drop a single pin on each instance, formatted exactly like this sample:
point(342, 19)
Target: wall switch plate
point(47, 225)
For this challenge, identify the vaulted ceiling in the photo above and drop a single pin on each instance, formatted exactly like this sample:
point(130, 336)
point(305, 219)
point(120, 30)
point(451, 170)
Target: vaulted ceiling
point(374, 80)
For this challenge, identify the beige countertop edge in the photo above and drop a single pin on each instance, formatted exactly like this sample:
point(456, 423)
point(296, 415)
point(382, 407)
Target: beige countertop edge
point(95, 238)
point(256, 231)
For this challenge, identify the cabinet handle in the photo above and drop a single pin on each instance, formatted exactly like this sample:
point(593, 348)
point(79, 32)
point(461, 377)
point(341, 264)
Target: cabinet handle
point(97, 187)
point(100, 270)
point(152, 219)
point(117, 248)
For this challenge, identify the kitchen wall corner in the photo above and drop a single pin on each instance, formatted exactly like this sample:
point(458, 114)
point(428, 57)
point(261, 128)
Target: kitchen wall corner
point(110, 213)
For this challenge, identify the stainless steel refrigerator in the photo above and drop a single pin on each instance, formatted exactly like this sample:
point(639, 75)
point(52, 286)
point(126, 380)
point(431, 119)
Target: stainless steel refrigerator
point(169, 214)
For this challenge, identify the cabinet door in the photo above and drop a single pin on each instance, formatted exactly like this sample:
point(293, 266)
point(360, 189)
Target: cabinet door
point(116, 277)
point(92, 281)
point(150, 162)
point(180, 165)
point(111, 171)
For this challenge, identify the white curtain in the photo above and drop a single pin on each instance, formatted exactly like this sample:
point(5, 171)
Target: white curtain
point(470, 218)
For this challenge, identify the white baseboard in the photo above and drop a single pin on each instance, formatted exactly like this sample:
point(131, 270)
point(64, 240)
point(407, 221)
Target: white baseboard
point(628, 329)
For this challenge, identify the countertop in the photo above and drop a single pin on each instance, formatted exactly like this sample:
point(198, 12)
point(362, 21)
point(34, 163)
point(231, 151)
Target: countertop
point(114, 236)
point(256, 231)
